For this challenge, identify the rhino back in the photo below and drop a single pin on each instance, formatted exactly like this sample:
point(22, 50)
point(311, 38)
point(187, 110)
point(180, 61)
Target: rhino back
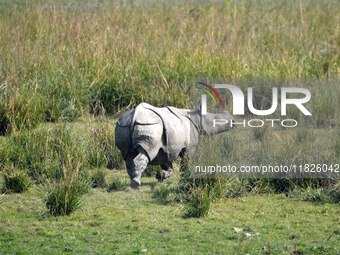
point(176, 130)
point(139, 127)
point(153, 129)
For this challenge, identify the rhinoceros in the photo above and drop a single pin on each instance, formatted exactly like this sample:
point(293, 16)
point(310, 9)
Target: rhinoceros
point(157, 136)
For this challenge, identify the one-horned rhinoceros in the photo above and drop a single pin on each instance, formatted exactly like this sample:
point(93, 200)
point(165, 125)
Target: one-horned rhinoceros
point(151, 135)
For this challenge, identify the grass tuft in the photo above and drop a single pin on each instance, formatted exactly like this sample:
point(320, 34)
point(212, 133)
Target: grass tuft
point(98, 179)
point(16, 181)
point(118, 184)
point(65, 196)
point(198, 204)
point(163, 191)
point(309, 194)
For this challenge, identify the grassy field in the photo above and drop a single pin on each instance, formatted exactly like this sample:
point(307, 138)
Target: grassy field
point(130, 222)
point(69, 68)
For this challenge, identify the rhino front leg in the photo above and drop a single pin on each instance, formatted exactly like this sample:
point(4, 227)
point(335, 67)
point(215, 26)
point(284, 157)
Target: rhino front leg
point(166, 173)
point(135, 167)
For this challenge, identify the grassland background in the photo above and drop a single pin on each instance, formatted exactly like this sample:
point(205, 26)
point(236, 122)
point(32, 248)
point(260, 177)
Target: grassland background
point(57, 57)
point(68, 69)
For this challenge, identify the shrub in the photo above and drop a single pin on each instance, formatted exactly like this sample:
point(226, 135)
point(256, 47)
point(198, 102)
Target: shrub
point(98, 179)
point(65, 196)
point(15, 181)
point(162, 192)
point(118, 184)
point(198, 204)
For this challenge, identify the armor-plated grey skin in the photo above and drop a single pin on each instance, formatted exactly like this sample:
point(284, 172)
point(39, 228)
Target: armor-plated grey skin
point(151, 135)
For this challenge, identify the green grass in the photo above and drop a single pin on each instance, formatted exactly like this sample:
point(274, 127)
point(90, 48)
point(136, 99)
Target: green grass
point(129, 221)
point(62, 61)
point(15, 181)
point(118, 184)
point(65, 66)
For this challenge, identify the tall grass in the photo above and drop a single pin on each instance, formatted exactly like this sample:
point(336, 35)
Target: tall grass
point(63, 61)
point(42, 152)
point(60, 62)
point(101, 148)
point(15, 180)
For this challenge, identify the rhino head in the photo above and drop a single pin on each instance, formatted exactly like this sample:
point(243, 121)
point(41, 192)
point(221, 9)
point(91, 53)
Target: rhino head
point(212, 123)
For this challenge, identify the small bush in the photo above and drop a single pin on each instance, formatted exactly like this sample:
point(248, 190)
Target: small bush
point(98, 179)
point(198, 204)
point(65, 196)
point(162, 192)
point(15, 181)
point(118, 184)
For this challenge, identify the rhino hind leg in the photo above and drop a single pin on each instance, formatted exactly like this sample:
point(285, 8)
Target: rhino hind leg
point(166, 172)
point(135, 165)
